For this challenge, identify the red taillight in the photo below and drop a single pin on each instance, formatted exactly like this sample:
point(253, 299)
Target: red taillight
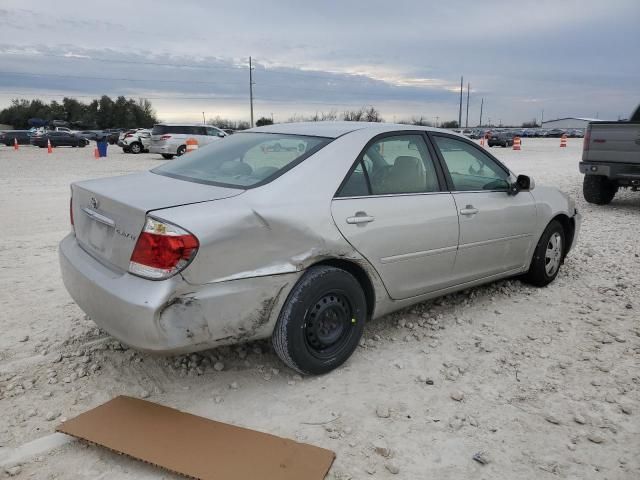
point(162, 250)
point(586, 142)
point(71, 211)
point(128, 135)
point(165, 137)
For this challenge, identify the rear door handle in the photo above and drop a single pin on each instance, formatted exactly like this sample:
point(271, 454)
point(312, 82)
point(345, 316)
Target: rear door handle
point(469, 210)
point(360, 218)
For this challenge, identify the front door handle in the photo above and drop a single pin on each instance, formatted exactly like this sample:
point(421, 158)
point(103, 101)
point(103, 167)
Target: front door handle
point(360, 218)
point(469, 210)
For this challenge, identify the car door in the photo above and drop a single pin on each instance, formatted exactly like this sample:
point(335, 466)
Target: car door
point(496, 228)
point(393, 209)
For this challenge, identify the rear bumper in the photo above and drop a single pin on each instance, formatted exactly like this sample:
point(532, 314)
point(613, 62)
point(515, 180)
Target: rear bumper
point(171, 316)
point(624, 172)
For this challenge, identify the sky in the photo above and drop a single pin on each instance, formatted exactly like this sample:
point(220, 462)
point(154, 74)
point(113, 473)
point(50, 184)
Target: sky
point(561, 57)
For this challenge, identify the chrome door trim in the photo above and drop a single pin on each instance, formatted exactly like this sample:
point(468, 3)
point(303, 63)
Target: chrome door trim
point(411, 256)
point(495, 240)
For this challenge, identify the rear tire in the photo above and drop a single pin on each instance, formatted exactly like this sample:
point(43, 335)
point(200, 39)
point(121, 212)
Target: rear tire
point(167, 156)
point(548, 256)
point(135, 147)
point(598, 189)
point(321, 322)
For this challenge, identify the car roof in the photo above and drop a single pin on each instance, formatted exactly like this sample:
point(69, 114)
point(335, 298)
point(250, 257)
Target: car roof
point(337, 129)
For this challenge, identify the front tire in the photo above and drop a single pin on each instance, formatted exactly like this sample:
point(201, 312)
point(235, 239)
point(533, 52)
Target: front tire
point(182, 149)
point(598, 189)
point(321, 322)
point(548, 256)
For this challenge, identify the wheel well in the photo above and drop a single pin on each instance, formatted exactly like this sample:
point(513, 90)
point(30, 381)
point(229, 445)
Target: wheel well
point(360, 274)
point(569, 226)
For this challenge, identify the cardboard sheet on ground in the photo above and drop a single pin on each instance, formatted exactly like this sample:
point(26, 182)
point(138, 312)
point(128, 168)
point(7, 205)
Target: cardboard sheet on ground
point(195, 446)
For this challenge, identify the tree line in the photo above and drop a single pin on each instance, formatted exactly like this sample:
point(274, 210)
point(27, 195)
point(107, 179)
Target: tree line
point(98, 114)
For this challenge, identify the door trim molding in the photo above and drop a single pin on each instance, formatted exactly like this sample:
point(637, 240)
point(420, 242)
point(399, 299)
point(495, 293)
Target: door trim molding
point(494, 240)
point(410, 256)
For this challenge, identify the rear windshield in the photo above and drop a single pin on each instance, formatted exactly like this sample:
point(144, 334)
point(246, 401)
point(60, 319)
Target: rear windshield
point(179, 130)
point(243, 160)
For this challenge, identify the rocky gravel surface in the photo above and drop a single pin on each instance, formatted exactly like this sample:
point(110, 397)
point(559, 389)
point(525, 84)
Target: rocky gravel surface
point(503, 381)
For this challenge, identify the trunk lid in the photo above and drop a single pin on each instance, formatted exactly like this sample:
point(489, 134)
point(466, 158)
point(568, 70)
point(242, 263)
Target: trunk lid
point(109, 213)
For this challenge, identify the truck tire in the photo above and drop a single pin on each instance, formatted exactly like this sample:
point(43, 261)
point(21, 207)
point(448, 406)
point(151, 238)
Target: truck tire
point(598, 189)
point(321, 322)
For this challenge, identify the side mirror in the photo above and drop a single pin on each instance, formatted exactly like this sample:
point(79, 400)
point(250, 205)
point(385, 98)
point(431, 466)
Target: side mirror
point(522, 183)
point(222, 135)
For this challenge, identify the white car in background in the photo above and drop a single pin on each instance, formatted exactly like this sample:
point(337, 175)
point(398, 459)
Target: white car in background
point(137, 141)
point(169, 139)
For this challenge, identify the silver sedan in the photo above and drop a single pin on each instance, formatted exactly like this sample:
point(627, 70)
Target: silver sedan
point(303, 232)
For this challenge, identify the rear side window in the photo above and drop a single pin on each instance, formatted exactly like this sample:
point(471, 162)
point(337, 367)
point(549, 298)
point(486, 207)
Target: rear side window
point(471, 169)
point(393, 165)
point(243, 160)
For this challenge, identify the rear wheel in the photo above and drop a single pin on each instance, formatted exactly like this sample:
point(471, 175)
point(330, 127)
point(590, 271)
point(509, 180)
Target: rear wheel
point(321, 322)
point(598, 189)
point(167, 156)
point(181, 150)
point(135, 147)
point(547, 257)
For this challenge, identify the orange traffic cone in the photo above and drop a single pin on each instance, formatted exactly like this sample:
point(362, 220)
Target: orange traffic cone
point(15, 144)
point(49, 149)
point(516, 143)
point(96, 153)
point(563, 140)
point(192, 144)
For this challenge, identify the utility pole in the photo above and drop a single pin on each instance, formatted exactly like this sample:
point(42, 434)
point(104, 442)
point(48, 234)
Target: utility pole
point(204, 122)
point(466, 123)
point(460, 110)
point(437, 119)
point(542, 118)
point(481, 105)
point(251, 84)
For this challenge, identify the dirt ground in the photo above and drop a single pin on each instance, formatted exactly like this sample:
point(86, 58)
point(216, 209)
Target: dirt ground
point(541, 383)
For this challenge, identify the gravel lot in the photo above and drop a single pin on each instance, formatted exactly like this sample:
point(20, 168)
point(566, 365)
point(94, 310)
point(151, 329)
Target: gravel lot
point(537, 383)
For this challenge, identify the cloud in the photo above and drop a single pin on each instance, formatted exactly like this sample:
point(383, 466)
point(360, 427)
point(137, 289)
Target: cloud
point(568, 58)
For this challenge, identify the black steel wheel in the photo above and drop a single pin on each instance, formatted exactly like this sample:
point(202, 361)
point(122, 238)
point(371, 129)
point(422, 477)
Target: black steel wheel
point(321, 321)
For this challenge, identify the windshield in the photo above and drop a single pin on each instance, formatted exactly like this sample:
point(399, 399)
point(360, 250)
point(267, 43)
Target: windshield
point(243, 160)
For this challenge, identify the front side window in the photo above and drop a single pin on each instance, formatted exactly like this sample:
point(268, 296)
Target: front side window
point(243, 160)
point(393, 165)
point(471, 169)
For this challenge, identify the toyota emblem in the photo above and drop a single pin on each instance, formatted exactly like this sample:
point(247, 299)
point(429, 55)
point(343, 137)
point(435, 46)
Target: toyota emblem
point(94, 202)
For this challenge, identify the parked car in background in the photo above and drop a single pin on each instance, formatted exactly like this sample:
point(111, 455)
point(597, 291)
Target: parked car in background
point(91, 135)
point(555, 132)
point(23, 136)
point(230, 243)
point(169, 139)
point(611, 159)
point(113, 134)
point(59, 139)
point(137, 141)
point(501, 139)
